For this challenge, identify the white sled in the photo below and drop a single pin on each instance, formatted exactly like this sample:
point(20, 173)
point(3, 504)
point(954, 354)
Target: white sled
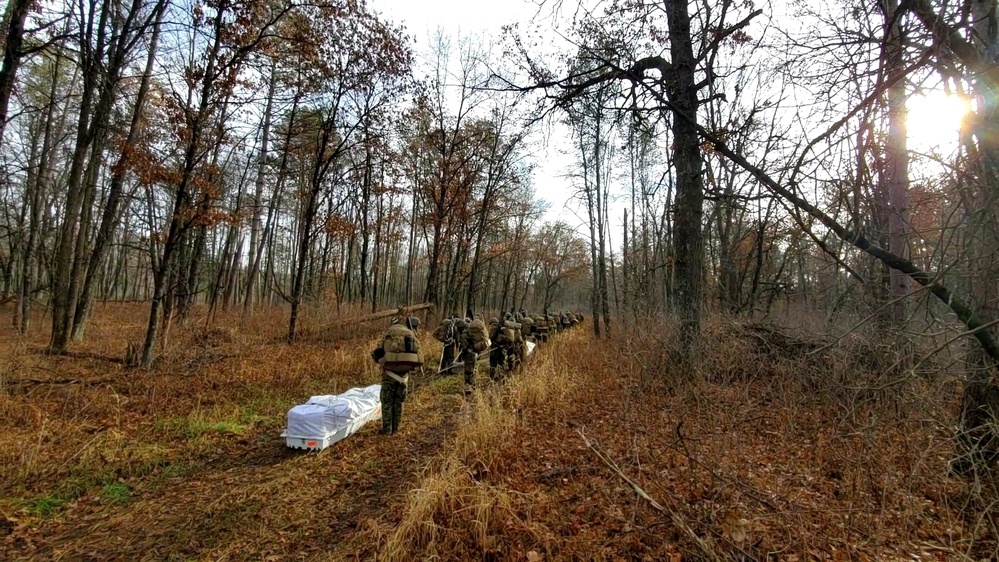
point(326, 419)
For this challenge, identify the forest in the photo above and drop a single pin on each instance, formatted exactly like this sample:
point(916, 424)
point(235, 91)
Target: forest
point(778, 221)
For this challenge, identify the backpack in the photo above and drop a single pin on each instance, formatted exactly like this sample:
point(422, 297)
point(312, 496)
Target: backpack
point(477, 337)
point(445, 332)
point(402, 350)
point(510, 332)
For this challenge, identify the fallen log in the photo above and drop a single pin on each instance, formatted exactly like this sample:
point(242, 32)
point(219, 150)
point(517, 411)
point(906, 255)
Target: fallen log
point(401, 311)
point(32, 381)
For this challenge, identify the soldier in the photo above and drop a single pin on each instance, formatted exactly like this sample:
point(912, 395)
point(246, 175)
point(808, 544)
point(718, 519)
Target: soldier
point(541, 331)
point(467, 355)
point(529, 329)
point(513, 339)
point(519, 346)
point(447, 333)
point(497, 354)
point(398, 354)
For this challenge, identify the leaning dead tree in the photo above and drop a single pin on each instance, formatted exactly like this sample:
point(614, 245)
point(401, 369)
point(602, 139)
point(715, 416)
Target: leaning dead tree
point(657, 77)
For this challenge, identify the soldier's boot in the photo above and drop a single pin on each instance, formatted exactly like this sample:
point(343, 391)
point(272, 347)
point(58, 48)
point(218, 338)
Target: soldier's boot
point(469, 380)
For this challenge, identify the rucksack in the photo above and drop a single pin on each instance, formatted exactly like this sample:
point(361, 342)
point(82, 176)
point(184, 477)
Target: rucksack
point(477, 337)
point(445, 332)
point(402, 350)
point(510, 331)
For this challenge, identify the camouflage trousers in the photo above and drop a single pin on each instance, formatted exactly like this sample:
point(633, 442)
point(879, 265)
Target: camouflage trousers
point(393, 394)
point(497, 364)
point(514, 356)
point(447, 359)
point(468, 357)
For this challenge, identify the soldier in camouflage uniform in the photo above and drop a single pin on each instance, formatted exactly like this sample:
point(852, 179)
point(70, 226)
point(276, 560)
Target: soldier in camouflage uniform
point(497, 354)
point(467, 356)
point(529, 329)
point(395, 386)
point(515, 349)
point(541, 330)
point(447, 333)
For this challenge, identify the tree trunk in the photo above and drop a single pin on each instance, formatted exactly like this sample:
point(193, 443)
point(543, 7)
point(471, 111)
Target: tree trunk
point(17, 13)
point(256, 256)
point(688, 250)
point(62, 299)
point(179, 223)
point(111, 216)
point(42, 178)
point(896, 163)
point(256, 226)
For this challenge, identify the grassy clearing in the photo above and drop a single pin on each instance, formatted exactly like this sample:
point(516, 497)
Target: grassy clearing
point(211, 390)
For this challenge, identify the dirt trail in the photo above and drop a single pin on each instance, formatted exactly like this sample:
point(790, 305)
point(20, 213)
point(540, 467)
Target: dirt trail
point(265, 502)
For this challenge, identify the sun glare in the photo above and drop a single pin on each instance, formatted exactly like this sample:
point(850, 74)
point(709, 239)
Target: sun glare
point(934, 120)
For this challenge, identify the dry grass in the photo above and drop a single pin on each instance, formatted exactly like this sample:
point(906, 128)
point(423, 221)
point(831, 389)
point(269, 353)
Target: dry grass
point(463, 508)
point(451, 516)
point(212, 386)
point(779, 448)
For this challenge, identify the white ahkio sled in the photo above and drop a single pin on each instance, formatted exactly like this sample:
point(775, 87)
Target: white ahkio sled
point(326, 419)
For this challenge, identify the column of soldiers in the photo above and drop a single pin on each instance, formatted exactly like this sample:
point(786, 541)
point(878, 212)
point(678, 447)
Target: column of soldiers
point(464, 340)
point(507, 341)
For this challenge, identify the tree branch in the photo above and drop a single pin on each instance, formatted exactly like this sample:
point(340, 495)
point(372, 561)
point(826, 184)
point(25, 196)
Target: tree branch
point(680, 523)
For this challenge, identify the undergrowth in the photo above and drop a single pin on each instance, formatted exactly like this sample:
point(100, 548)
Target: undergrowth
point(780, 446)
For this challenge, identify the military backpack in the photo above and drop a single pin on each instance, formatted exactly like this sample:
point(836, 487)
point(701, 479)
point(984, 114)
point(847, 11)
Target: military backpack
point(446, 331)
point(478, 339)
point(402, 350)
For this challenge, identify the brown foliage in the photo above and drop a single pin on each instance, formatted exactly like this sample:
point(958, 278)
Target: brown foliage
point(772, 454)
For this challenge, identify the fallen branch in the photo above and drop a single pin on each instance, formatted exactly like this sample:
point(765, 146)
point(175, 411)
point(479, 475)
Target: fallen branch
point(676, 519)
point(28, 381)
point(401, 311)
point(79, 355)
